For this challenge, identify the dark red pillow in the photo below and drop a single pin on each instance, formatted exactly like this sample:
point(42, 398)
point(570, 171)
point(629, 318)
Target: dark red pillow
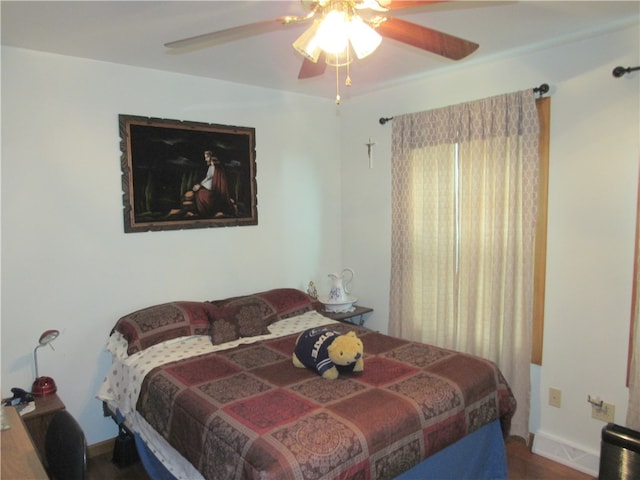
point(289, 302)
point(158, 323)
point(246, 317)
point(250, 315)
point(277, 304)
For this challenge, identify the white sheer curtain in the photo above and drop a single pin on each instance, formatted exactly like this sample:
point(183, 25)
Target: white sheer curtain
point(464, 193)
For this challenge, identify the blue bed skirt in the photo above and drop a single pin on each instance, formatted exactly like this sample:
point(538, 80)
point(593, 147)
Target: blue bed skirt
point(479, 456)
point(154, 468)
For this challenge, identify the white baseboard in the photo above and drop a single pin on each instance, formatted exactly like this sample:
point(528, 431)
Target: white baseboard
point(563, 452)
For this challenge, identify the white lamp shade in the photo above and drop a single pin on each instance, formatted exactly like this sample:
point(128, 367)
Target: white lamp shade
point(364, 39)
point(340, 59)
point(333, 33)
point(307, 43)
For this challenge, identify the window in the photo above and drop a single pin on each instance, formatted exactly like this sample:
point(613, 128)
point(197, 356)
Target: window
point(464, 226)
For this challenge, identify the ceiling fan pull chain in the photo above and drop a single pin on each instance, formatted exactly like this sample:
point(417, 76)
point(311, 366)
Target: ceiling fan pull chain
point(337, 85)
point(347, 81)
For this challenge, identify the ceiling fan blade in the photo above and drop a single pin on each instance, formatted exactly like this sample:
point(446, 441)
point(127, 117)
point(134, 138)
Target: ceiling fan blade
point(237, 33)
point(398, 4)
point(427, 39)
point(310, 69)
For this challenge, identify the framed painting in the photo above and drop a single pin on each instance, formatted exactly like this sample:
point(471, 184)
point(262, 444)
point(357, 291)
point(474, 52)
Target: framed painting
point(181, 175)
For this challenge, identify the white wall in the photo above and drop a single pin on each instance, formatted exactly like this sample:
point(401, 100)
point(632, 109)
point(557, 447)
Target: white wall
point(66, 262)
point(595, 146)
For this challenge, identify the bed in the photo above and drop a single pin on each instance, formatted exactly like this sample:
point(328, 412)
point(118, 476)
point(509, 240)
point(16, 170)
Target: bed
point(209, 390)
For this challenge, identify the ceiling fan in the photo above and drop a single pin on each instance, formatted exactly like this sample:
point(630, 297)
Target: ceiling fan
point(367, 15)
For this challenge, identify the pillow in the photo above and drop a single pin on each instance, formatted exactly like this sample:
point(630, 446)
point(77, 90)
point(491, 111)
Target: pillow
point(250, 315)
point(156, 324)
point(277, 304)
point(244, 317)
point(289, 302)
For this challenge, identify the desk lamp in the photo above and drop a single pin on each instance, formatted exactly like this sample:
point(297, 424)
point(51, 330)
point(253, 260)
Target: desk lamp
point(44, 385)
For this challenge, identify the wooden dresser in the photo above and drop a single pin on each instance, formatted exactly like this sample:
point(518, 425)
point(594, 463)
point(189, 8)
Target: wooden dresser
point(20, 460)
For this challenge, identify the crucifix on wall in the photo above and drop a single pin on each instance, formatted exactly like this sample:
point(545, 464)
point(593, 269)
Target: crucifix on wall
point(370, 151)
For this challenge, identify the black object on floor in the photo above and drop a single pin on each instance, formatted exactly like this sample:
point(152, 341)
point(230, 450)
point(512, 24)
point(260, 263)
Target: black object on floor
point(619, 454)
point(125, 452)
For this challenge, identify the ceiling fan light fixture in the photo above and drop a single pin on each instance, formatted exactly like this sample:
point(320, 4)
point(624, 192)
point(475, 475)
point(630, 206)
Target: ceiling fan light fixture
point(340, 59)
point(364, 39)
point(333, 33)
point(307, 43)
point(336, 33)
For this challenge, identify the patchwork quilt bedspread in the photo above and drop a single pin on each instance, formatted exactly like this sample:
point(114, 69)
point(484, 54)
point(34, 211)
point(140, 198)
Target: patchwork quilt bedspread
point(248, 412)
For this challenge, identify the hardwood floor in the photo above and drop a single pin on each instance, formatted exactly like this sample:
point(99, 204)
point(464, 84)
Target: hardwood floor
point(523, 465)
point(102, 468)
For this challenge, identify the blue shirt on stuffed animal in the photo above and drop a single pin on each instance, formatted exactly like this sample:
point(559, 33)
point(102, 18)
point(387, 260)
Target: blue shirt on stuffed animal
point(313, 350)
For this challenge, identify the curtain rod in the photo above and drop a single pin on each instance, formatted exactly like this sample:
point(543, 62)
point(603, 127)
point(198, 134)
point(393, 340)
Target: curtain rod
point(620, 71)
point(542, 89)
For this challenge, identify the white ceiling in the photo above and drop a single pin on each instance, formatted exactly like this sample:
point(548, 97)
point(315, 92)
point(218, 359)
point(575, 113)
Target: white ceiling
point(134, 33)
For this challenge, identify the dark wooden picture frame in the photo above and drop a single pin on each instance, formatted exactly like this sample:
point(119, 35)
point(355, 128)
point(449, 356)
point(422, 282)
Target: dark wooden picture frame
point(167, 175)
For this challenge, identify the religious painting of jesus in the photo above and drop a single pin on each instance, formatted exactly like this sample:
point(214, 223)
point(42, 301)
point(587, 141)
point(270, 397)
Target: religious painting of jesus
point(180, 175)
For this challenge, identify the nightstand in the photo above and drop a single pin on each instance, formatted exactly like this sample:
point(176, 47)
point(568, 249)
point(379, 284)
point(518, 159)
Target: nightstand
point(37, 422)
point(356, 317)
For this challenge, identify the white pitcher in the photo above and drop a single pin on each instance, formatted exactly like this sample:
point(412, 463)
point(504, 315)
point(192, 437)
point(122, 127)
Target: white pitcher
point(340, 291)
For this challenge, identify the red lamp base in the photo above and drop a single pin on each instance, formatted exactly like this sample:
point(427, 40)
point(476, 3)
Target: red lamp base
point(43, 386)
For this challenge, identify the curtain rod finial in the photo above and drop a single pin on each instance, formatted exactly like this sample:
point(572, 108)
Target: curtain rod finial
point(619, 72)
point(384, 120)
point(542, 89)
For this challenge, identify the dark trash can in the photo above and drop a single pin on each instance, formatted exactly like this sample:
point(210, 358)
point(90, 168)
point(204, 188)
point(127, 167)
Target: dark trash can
point(619, 453)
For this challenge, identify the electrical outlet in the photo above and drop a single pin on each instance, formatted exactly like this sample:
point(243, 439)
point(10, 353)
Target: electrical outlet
point(606, 413)
point(555, 397)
